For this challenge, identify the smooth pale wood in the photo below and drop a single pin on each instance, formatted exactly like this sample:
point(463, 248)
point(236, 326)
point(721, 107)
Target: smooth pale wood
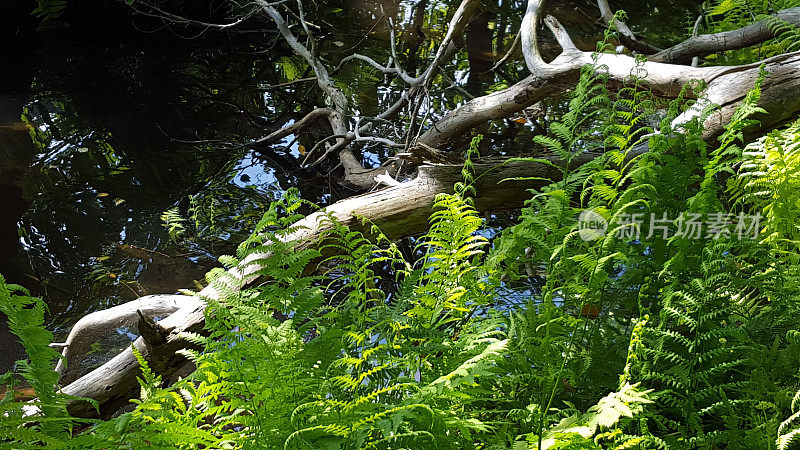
point(114, 383)
point(99, 324)
point(403, 210)
point(726, 85)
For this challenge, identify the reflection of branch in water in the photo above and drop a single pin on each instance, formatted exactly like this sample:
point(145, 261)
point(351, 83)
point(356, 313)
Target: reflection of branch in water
point(141, 252)
point(47, 285)
point(127, 284)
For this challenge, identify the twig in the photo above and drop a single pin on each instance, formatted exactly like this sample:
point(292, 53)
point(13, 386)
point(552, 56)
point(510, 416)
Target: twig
point(507, 55)
point(289, 83)
point(295, 127)
point(626, 36)
point(695, 31)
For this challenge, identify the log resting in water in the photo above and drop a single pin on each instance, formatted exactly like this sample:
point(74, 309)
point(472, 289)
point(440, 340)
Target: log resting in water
point(403, 210)
point(98, 324)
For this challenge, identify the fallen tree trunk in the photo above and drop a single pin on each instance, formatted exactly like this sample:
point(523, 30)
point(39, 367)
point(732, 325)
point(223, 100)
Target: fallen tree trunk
point(113, 384)
point(402, 210)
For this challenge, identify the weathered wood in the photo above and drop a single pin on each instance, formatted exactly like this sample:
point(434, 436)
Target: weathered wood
point(779, 93)
point(401, 210)
point(706, 44)
point(153, 333)
point(93, 327)
point(726, 85)
point(114, 383)
point(404, 210)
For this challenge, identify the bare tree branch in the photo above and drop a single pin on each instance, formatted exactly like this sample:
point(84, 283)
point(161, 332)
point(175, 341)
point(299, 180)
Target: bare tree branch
point(530, 37)
point(508, 54)
point(457, 26)
point(335, 95)
point(295, 127)
point(666, 80)
point(176, 19)
point(626, 36)
point(383, 69)
point(98, 324)
point(560, 34)
point(706, 44)
point(340, 108)
point(695, 32)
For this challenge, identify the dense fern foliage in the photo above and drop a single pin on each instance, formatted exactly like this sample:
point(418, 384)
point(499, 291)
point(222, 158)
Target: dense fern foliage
point(675, 328)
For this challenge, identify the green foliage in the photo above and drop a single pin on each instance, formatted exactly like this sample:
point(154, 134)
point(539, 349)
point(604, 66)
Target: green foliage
point(789, 430)
point(290, 68)
point(605, 415)
point(787, 35)
point(535, 338)
point(768, 178)
point(173, 222)
point(49, 10)
point(44, 422)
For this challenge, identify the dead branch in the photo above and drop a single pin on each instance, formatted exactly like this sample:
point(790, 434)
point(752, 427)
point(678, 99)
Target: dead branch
point(727, 86)
point(401, 210)
point(114, 383)
point(340, 105)
point(695, 32)
point(626, 36)
point(296, 127)
point(100, 324)
point(706, 44)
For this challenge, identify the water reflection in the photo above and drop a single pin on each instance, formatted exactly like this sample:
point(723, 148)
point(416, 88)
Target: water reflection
point(105, 141)
point(15, 153)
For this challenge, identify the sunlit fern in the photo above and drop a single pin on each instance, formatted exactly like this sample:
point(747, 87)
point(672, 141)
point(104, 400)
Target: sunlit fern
point(769, 180)
point(789, 429)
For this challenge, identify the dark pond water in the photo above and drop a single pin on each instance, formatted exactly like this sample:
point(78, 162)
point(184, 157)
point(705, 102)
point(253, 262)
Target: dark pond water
point(97, 141)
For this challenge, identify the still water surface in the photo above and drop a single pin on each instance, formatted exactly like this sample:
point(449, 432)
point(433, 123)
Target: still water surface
point(97, 142)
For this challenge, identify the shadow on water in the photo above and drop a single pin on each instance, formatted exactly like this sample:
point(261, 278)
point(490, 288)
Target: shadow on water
point(97, 141)
point(15, 152)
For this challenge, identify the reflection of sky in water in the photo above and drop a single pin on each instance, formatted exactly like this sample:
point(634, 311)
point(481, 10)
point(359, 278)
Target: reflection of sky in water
point(290, 141)
point(252, 171)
